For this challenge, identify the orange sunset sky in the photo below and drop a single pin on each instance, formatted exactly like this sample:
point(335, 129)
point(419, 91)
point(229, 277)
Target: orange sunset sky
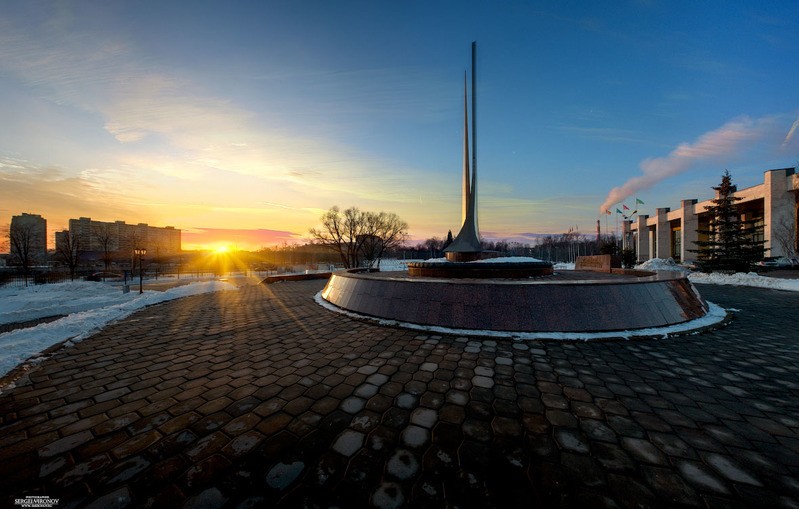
point(241, 123)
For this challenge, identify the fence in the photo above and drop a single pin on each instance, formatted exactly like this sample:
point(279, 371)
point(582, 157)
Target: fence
point(19, 281)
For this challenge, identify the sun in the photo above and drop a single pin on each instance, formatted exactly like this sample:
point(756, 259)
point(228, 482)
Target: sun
point(224, 248)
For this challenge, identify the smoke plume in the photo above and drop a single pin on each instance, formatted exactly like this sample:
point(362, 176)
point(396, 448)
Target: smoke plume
point(722, 144)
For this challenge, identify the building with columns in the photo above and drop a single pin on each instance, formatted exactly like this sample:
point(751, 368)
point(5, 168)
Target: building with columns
point(773, 205)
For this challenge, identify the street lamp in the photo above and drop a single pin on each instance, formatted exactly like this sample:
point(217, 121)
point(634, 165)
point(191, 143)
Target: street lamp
point(140, 252)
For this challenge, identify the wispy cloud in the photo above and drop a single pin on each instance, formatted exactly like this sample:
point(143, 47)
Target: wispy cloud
point(724, 144)
point(58, 196)
point(791, 131)
point(173, 135)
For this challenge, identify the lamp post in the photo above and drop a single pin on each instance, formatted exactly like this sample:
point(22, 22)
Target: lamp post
point(140, 252)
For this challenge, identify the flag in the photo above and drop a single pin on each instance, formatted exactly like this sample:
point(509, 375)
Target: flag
point(637, 202)
point(625, 207)
point(633, 212)
point(618, 211)
point(607, 211)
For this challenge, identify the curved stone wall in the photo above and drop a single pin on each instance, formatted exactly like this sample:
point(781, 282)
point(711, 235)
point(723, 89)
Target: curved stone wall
point(577, 302)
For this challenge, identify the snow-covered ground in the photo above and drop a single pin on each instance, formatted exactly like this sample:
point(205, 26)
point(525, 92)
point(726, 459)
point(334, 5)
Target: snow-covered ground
point(89, 306)
point(738, 279)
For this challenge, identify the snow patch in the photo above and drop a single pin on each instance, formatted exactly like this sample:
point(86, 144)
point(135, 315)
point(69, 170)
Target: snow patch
point(283, 474)
point(662, 264)
point(388, 496)
point(89, 307)
point(748, 279)
point(503, 259)
point(403, 465)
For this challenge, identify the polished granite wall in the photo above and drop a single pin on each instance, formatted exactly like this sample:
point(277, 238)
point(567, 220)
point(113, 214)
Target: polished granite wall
point(563, 305)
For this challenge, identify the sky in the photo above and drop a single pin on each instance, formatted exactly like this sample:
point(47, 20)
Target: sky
point(241, 123)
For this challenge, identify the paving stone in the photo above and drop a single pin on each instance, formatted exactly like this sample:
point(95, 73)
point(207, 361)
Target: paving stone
point(670, 487)
point(703, 420)
point(598, 430)
point(612, 457)
point(201, 473)
point(82, 470)
point(348, 442)
point(702, 477)
point(424, 417)
point(571, 440)
point(730, 469)
point(136, 444)
point(65, 444)
point(211, 497)
point(561, 418)
point(125, 470)
point(672, 445)
point(414, 436)
point(117, 499)
point(643, 450)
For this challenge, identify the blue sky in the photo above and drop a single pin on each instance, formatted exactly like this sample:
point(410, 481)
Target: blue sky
point(259, 116)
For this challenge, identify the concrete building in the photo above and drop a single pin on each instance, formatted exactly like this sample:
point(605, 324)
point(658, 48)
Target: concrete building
point(30, 231)
point(773, 205)
point(119, 236)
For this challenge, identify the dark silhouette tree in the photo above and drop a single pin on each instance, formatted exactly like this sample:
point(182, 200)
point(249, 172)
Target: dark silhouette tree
point(22, 238)
point(69, 251)
point(449, 240)
point(731, 243)
point(105, 238)
point(353, 231)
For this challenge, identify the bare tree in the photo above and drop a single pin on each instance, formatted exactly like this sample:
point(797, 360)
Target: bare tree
point(785, 236)
point(353, 234)
point(22, 238)
point(389, 230)
point(4, 243)
point(104, 237)
point(69, 252)
point(433, 246)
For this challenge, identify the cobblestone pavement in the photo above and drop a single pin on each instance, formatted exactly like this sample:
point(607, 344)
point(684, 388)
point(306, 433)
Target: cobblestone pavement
point(262, 398)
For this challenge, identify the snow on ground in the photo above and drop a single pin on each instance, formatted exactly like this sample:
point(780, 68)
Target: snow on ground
point(88, 306)
point(502, 259)
point(662, 264)
point(741, 279)
point(714, 278)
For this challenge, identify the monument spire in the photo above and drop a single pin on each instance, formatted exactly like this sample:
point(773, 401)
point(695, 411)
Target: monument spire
point(467, 186)
point(467, 244)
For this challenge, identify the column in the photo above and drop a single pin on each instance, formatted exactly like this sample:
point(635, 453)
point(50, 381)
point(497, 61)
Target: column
point(689, 224)
point(663, 233)
point(778, 208)
point(643, 239)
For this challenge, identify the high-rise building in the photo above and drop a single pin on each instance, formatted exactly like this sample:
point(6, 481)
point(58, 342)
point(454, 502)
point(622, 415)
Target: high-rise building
point(28, 236)
point(118, 236)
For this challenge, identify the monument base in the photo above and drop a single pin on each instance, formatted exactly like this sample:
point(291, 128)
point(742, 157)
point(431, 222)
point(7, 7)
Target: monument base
point(478, 270)
point(569, 301)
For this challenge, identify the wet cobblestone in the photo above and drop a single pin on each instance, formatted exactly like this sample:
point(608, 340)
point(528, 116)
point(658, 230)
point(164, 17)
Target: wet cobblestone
point(260, 398)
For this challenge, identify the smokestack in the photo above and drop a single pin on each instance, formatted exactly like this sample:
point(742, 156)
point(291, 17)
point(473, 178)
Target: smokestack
point(598, 236)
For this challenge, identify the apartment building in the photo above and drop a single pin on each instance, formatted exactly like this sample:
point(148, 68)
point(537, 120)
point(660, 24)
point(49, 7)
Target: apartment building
point(29, 231)
point(118, 236)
